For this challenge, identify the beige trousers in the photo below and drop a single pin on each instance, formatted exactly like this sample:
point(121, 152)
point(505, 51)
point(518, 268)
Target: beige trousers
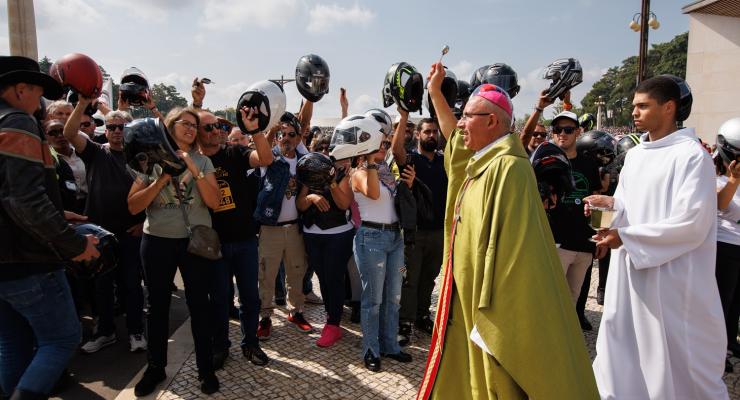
point(575, 265)
point(276, 244)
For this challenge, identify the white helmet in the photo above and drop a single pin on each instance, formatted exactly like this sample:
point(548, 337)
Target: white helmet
point(728, 140)
point(385, 121)
point(354, 136)
point(269, 99)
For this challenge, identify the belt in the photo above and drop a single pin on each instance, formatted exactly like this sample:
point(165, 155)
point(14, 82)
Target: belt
point(286, 223)
point(383, 227)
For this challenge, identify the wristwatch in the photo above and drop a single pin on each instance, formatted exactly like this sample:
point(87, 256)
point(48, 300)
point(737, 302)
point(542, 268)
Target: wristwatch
point(200, 176)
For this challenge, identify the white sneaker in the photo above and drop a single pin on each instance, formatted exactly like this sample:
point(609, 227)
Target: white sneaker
point(137, 342)
point(98, 343)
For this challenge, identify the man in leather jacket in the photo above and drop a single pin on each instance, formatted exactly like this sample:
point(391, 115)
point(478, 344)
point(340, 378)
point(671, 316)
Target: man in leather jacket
point(36, 308)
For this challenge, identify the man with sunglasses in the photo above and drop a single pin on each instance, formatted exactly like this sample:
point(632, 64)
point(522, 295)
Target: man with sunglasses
point(424, 258)
point(237, 231)
point(110, 181)
point(567, 222)
point(539, 136)
point(280, 238)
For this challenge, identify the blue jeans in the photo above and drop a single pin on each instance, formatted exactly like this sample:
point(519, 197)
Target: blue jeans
point(240, 260)
point(39, 332)
point(379, 258)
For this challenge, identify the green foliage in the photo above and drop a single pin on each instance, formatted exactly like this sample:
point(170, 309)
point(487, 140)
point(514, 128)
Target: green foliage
point(45, 64)
point(618, 84)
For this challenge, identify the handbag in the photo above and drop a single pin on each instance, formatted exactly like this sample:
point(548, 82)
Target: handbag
point(204, 240)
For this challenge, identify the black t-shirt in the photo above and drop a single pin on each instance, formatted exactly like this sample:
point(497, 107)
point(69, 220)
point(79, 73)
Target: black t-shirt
point(233, 218)
point(569, 226)
point(109, 181)
point(431, 173)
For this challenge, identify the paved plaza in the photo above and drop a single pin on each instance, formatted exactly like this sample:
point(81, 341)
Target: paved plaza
point(300, 370)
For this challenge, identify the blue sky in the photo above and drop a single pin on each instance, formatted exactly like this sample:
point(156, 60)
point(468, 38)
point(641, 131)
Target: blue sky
point(237, 42)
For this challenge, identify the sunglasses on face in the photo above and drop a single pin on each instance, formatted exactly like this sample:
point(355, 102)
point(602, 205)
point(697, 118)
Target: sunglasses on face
point(542, 135)
point(113, 127)
point(85, 124)
point(210, 127)
point(282, 134)
point(55, 132)
point(565, 129)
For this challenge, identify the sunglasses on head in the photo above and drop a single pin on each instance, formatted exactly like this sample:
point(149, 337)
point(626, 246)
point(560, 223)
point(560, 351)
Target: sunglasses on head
point(565, 129)
point(542, 135)
point(55, 132)
point(113, 127)
point(85, 124)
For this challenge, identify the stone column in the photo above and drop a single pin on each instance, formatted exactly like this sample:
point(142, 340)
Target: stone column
point(22, 29)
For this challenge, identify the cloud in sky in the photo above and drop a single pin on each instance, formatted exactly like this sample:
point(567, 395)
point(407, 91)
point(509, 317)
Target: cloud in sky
point(324, 18)
point(56, 15)
point(233, 15)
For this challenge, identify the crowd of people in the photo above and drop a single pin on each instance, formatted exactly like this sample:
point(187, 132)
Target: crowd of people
point(376, 208)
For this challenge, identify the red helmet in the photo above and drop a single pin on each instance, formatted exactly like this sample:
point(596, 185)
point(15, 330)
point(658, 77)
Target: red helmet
point(78, 72)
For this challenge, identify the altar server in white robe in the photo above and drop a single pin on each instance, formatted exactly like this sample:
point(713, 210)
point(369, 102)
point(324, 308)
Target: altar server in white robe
point(662, 333)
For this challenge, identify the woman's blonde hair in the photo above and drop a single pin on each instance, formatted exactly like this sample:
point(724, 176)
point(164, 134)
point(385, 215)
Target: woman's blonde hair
point(176, 114)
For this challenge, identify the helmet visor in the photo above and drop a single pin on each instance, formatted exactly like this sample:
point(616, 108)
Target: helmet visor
point(344, 136)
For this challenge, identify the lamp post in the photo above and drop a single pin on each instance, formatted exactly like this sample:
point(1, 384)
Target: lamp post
point(599, 115)
point(647, 20)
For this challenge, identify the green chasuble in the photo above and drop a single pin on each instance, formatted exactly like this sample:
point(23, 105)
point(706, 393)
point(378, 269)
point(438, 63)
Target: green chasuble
point(508, 284)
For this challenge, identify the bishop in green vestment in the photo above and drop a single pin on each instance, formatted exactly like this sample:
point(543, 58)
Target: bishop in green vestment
point(505, 325)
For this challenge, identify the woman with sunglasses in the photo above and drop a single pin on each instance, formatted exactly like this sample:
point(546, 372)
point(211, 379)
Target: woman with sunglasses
point(164, 249)
point(378, 248)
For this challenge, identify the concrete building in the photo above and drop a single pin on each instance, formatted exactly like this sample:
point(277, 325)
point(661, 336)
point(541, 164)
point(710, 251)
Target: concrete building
point(713, 64)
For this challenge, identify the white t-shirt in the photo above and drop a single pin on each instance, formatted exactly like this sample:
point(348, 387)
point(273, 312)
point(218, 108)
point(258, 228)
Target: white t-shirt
point(288, 211)
point(728, 220)
point(381, 211)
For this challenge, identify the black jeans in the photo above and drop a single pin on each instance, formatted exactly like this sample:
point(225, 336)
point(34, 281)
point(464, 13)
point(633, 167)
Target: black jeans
point(583, 296)
point(329, 255)
point(423, 263)
point(604, 270)
point(728, 282)
point(161, 257)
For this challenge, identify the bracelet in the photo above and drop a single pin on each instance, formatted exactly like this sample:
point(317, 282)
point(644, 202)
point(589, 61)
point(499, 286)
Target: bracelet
point(539, 109)
point(197, 105)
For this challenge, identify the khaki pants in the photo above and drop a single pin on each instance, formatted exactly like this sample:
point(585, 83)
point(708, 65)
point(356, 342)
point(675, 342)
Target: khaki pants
point(276, 244)
point(575, 265)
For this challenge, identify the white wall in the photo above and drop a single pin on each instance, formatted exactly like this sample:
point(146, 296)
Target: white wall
point(713, 72)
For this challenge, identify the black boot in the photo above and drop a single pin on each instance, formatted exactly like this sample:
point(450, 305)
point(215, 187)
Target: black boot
point(355, 316)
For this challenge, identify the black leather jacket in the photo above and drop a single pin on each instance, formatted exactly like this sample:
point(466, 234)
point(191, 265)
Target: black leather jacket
point(34, 236)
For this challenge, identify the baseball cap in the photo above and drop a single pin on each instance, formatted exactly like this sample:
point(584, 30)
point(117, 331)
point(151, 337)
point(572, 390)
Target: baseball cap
point(567, 115)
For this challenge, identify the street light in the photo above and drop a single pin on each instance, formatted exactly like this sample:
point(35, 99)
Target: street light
point(646, 19)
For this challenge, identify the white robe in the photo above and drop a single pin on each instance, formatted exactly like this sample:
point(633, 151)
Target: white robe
point(662, 334)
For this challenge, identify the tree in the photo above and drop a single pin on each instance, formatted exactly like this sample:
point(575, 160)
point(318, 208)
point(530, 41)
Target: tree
point(45, 64)
point(616, 87)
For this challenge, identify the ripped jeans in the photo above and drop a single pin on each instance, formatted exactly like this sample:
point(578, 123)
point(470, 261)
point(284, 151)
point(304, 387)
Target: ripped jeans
point(379, 258)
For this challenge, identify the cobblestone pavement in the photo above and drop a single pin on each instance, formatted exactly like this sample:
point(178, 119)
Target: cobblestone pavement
point(298, 369)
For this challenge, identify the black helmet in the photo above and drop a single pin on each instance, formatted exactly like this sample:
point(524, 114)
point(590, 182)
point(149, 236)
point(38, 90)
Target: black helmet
point(552, 169)
point(499, 74)
point(268, 98)
point(290, 119)
point(463, 94)
point(146, 142)
point(404, 86)
point(133, 86)
point(597, 145)
point(108, 248)
point(565, 73)
point(683, 108)
point(312, 77)
point(74, 98)
point(627, 142)
point(448, 89)
point(315, 170)
point(587, 122)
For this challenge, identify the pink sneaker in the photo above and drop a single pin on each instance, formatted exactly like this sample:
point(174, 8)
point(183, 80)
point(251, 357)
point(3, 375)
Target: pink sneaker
point(329, 335)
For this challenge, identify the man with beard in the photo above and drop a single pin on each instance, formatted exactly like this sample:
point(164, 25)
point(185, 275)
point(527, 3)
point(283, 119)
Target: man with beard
point(424, 259)
point(109, 181)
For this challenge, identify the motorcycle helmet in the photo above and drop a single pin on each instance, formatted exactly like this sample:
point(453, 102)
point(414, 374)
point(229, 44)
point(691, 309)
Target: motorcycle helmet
point(449, 92)
point(463, 94)
point(74, 98)
point(683, 108)
point(565, 73)
point(627, 142)
point(597, 145)
point(587, 122)
point(108, 248)
point(354, 136)
point(79, 73)
point(146, 143)
point(315, 170)
point(404, 86)
point(552, 170)
point(385, 121)
point(269, 99)
point(312, 77)
point(134, 85)
point(728, 140)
